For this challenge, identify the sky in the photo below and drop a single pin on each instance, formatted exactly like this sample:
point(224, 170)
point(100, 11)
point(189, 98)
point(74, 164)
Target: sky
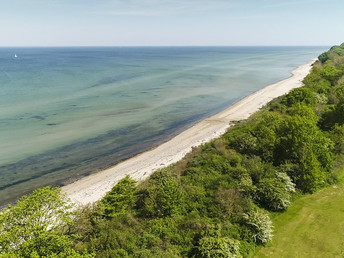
point(171, 22)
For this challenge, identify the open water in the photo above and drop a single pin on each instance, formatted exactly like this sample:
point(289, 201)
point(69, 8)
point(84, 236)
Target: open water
point(69, 112)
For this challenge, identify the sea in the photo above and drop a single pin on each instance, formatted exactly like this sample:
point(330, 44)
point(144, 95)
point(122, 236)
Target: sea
point(68, 112)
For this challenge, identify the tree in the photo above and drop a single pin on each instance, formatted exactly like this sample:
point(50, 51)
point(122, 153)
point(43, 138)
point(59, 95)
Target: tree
point(316, 82)
point(299, 95)
point(218, 247)
point(305, 112)
point(164, 197)
point(232, 201)
point(121, 196)
point(337, 135)
point(260, 225)
point(339, 50)
point(323, 57)
point(333, 116)
point(275, 193)
point(265, 131)
point(34, 227)
point(336, 95)
point(296, 135)
point(312, 177)
point(331, 73)
point(242, 140)
point(302, 142)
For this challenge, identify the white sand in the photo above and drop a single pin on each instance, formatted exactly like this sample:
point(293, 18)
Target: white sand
point(92, 188)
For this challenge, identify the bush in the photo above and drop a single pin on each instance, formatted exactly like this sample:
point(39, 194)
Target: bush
point(337, 136)
point(331, 73)
point(242, 140)
point(323, 57)
point(164, 197)
point(260, 225)
point(122, 195)
point(209, 247)
point(299, 95)
point(275, 193)
point(34, 226)
point(232, 201)
point(302, 142)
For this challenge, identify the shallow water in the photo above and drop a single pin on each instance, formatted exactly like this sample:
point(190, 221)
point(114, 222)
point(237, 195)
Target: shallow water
point(69, 112)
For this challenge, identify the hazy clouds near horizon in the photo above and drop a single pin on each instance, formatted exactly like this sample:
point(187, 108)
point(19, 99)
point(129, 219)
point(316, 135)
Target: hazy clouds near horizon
point(171, 22)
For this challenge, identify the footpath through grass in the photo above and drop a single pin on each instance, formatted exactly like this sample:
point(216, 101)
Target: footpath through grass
point(313, 226)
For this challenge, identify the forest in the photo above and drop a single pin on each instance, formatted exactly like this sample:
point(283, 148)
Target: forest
point(216, 202)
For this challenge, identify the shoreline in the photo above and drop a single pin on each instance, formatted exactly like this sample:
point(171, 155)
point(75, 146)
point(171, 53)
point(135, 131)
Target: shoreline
point(93, 187)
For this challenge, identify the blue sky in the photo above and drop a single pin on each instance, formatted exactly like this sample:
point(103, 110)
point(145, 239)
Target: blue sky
point(170, 22)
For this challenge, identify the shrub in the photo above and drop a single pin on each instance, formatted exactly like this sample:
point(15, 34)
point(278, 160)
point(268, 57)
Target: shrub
point(232, 201)
point(122, 195)
point(165, 196)
point(260, 225)
point(275, 193)
point(34, 226)
point(299, 95)
point(323, 57)
point(218, 247)
point(331, 73)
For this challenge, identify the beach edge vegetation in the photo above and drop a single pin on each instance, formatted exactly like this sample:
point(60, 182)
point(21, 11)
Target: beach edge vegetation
point(217, 201)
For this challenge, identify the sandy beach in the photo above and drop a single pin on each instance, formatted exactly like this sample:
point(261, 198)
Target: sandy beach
point(92, 188)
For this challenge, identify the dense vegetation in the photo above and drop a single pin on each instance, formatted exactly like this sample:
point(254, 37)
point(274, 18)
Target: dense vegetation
point(311, 227)
point(217, 201)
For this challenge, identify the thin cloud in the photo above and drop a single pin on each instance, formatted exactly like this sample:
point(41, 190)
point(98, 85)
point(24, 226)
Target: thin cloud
point(145, 7)
point(291, 3)
point(163, 7)
point(131, 13)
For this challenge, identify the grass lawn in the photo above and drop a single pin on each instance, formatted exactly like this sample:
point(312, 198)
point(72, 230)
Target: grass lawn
point(313, 226)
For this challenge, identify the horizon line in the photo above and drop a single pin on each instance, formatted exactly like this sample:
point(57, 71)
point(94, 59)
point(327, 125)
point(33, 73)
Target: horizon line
point(62, 46)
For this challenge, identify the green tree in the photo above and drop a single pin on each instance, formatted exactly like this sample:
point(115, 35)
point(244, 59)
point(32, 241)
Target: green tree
point(333, 116)
point(336, 95)
point(339, 50)
point(337, 135)
point(312, 177)
point(164, 197)
point(275, 193)
point(302, 142)
point(316, 82)
point(265, 131)
point(323, 57)
point(305, 112)
point(35, 226)
point(242, 140)
point(333, 56)
point(298, 134)
point(331, 73)
point(121, 196)
point(299, 95)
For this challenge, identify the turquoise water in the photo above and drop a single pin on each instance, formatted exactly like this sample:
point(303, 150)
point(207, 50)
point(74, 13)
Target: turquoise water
point(69, 112)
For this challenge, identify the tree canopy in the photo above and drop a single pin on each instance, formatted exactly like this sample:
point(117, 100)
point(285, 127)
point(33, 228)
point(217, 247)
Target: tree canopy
point(36, 226)
point(216, 202)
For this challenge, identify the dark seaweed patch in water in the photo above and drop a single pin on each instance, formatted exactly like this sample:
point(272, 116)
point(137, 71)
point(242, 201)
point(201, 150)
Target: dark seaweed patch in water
point(110, 80)
point(38, 117)
point(69, 163)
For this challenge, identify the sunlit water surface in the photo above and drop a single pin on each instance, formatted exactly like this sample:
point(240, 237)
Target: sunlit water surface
point(69, 112)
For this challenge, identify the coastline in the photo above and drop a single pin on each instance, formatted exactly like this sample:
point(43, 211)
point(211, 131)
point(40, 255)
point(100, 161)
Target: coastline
point(93, 187)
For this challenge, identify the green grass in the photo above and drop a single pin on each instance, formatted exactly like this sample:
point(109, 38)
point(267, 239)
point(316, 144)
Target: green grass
point(313, 226)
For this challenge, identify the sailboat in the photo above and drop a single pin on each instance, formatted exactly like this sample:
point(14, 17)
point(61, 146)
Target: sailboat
point(15, 56)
